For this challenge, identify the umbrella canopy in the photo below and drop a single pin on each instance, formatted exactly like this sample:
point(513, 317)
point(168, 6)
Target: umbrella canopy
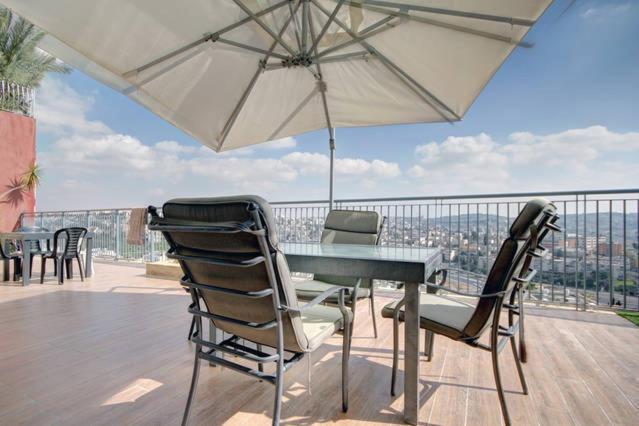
point(238, 72)
point(233, 73)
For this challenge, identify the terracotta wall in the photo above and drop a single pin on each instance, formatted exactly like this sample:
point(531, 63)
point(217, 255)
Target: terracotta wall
point(17, 153)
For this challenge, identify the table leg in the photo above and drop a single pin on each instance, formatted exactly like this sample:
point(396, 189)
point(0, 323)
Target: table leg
point(411, 354)
point(5, 262)
point(88, 262)
point(26, 262)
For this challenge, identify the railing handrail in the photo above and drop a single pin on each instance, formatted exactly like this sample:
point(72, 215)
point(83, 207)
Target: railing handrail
point(404, 199)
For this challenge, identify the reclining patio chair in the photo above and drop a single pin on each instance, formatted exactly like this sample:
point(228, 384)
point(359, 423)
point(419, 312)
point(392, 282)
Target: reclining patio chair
point(466, 321)
point(16, 256)
point(239, 279)
point(346, 227)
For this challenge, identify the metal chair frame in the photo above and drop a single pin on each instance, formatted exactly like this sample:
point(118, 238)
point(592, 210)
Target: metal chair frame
point(499, 335)
point(234, 345)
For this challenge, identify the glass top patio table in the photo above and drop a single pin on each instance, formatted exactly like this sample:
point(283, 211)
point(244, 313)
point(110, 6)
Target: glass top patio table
point(409, 264)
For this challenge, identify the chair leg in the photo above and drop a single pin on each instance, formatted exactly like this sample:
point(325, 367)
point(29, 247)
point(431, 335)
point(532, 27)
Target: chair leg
point(520, 370)
point(346, 354)
point(429, 342)
point(194, 378)
point(191, 329)
point(31, 266)
point(279, 388)
point(60, 269)
point(395, 355)
point(17, 269)
point(498, 384)
point(80, 268)
point(522, 338)
point(43, 269)
point(373, 312)
point(69, 266)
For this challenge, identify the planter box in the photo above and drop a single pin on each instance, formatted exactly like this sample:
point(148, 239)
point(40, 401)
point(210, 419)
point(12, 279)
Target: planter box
point(164, 270)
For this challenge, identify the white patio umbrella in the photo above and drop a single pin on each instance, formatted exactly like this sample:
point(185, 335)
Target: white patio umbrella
point(233, 73)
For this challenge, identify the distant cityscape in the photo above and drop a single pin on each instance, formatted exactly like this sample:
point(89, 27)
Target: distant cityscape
point(601, 262)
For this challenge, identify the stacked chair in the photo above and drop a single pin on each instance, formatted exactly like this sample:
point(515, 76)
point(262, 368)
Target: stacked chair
point(239, 279)
point(467, 319)
point(346, 227)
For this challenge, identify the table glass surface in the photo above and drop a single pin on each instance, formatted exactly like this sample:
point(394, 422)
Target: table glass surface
point(355, 251)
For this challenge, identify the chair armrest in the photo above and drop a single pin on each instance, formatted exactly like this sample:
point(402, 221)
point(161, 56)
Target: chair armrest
point(320, 298)
point(461, 293)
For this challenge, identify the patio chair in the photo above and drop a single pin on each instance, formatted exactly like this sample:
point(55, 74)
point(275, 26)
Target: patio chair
point(67, 243)
point(239, 279)
point(346, 227)
point(466, 321)
point(548, 223)
point(16, 256)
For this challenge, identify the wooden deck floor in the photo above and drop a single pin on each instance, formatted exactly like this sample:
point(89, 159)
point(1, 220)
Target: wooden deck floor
point(113, 351)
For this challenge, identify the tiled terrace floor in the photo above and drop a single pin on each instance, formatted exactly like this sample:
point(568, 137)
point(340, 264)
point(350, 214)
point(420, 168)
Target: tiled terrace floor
point(113, 351)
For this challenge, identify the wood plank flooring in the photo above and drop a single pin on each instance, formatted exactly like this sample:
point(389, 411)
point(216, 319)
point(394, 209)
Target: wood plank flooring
point(113, 351)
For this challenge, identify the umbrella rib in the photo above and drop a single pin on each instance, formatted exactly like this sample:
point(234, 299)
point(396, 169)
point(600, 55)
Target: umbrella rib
point(296, 25)
point(265, 27)
point(203, 39)
point(162, 71)
point(433, 22)
point(292, 115)
point(328, 23)
point(363, 54)
point(238, 108)
point(251, 48)
point(367, 32)
point(450, 12)
point(322, 83)
point(397, 70)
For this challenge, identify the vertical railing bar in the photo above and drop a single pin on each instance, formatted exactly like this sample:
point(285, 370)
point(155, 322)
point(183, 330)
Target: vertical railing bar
point(597, 252)
point(611, 285)
point(625, 254)
point(577, 251)
point(469, 239)
point(459, 244)
point(565, 236)
point(585, 252)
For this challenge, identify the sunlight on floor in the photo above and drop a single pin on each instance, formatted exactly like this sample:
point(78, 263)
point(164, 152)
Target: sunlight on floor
point(135, 390)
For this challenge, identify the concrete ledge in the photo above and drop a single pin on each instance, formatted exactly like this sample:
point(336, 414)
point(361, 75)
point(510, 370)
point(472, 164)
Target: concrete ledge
point(164, 270)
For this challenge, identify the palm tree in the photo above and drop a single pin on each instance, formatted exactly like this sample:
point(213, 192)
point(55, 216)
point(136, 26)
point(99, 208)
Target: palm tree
point(29, 181)
point(21, 61)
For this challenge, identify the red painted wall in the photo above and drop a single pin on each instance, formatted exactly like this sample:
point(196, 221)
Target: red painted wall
point(17, 153)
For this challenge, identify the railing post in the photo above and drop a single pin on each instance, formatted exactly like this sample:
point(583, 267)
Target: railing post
point(117, 234)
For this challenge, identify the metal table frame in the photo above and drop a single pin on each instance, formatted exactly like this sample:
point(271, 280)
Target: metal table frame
point(26, 238)
point(412, 266)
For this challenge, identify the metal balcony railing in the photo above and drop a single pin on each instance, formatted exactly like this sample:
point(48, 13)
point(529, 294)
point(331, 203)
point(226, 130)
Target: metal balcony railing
point(17, 98)
point(593, 262)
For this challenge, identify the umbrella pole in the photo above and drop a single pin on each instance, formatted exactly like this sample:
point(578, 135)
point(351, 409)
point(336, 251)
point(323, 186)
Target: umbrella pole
point(331, 142)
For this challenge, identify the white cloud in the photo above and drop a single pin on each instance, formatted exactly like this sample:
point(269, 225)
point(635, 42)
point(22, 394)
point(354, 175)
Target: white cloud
point(62, 111)
point(604, 10)
point(572, 159)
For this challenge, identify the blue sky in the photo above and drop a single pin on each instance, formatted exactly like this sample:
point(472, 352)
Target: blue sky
point(574, 97)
